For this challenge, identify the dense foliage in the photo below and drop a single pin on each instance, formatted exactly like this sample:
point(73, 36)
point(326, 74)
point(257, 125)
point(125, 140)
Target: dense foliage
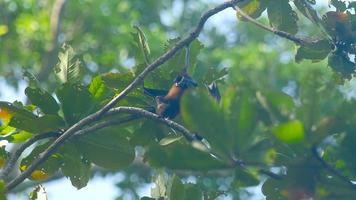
point(285, 121)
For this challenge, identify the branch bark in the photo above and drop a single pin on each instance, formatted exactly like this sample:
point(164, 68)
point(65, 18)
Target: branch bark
point(329, 168)
point(97, 115)
point(296, 40)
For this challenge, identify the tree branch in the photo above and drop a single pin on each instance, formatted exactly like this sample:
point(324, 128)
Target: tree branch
point(282, 34)
point(95, 116)
point(49, 59)
point(146, 114)
point(330, 168)
point(11, 162)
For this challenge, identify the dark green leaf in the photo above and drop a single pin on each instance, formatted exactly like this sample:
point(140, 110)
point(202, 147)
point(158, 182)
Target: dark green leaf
point(75, 166)
point(180, 156)
point(76, 101)
point(339, 5)
point(282, 16)
point(177, 191)
point(342, 65)
point(307, 10)
point(244, 178)
point(192, 191)
point(107, 148)
point(42, 99)
point(202, 115)
point(42, 124)
point(315, 51)
point(117, 80)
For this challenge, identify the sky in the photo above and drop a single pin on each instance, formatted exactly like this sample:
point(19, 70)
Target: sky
point(104, 187)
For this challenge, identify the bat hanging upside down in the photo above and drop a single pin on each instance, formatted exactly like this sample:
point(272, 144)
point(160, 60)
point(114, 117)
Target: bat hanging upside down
point(168, 102)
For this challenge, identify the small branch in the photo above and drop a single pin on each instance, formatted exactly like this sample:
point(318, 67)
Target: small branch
point(330, 168)
point(282, 34)
point(95, 116)
point(50, 60)
point(11, 162)
point(270, 174)
point(146, 114)
point(103, 124)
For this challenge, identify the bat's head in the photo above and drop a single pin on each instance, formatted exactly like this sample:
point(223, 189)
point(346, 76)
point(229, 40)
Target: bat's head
point(185, 82)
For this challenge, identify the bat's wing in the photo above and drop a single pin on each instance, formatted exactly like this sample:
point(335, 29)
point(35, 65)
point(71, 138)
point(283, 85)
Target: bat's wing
point(214, 91)
point(154, 92)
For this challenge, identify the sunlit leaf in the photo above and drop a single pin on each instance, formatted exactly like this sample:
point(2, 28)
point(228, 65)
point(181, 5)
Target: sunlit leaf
point(68, 67)
point(289, 132)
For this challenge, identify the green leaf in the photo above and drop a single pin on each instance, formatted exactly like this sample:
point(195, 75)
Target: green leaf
point(142, 44)
point(315, 51)
point(99, 90)
point(4, 155)
point(304, 6)
point(244, 178)
point(342, 65)
point(2, 190)
point(177, 191)
point(183, 157)
point(279, 103)
point(253, 8)
point(289, 132)
point(148, 132)
point(339, 5)
point(75, 166)
point(15, 110)
point(42, 99)
point(117, 80)
point(76, 101)
point(68, 67)
point(17, 137)
point(192, 191)
point(46, 169)
point(241, 114)
point(282, 17)
point(107, 148)
point(202, 115)
point(45, 123)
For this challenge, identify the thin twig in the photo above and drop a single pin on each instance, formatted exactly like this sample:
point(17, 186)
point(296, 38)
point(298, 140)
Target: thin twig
point(282, 34)
point(11, 162)
point(95, 116)
point(146, 114)
point(329, 168)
